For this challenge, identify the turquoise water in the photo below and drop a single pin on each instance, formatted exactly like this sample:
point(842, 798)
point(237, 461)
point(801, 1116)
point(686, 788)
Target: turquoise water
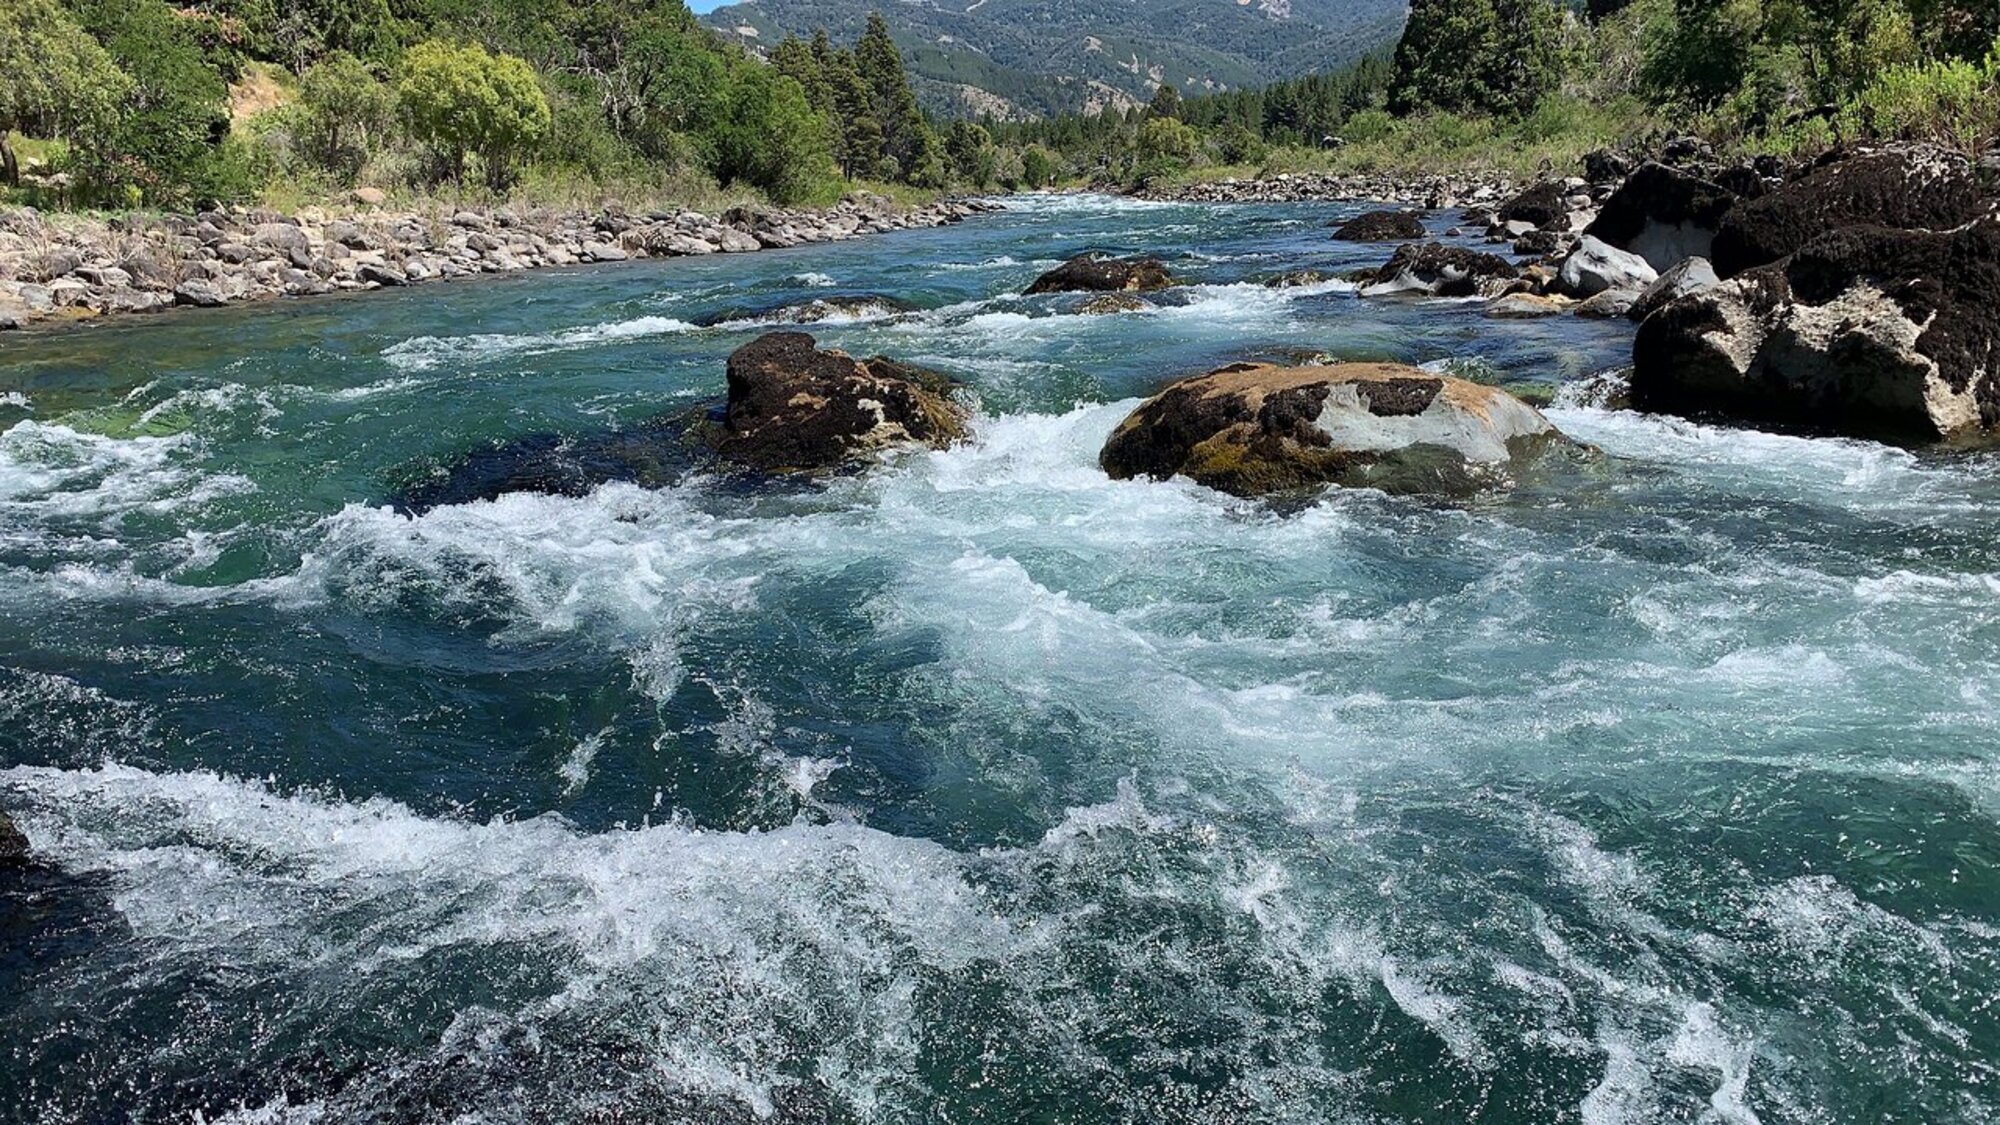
point(978, 788)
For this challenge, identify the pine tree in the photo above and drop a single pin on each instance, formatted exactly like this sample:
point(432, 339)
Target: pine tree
point(906, 138)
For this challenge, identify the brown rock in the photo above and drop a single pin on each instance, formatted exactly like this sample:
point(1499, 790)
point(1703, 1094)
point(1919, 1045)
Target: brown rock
point(794, 408)
point(1253, 429)
point(1095, 273)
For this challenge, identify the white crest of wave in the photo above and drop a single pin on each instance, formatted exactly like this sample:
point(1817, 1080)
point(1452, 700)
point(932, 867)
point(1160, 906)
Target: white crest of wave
point(422, 353)
point(820, 929)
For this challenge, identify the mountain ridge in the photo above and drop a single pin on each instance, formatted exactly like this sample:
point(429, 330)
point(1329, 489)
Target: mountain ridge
point(1036, 58)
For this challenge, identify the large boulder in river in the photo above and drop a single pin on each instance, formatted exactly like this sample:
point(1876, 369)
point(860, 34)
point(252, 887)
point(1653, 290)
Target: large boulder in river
point(1663, 215)
point(1868, 331)
point(1096, 273)
point(795, 408)
point(1436, 270)
point(1912, 187)
point(1253, 429)
point(1381, 226)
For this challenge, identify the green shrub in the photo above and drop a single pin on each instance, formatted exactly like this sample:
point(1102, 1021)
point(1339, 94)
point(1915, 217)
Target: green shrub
point(463, 100)
point(1368, 127)
point(1955, 103)
point(343, 116)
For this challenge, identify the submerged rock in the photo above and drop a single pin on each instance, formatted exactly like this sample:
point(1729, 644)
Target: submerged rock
point(1663, 215)
point(1096, 273)
point(1434, 269)
point(1523, 306)
point(1298, 279)
point(13, 845)
point(1108, 303)
point(652, 455)
point(1381, 226)
point(795, 408)
point(1868, 332)
point(1914, 187)
point(816, 310)
point(1254, 429)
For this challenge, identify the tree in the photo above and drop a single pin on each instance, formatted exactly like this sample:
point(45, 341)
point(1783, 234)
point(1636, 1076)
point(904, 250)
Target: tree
point(1496, 56)
point(1038, 168)
point(55, 80)
point(770, 137)
point(343, 114)
point(167, 141)
point(1166, 141)
point(463, 100)
point(906, 137)
point(973, 157)
point(655, 71)
point(1442, 55)
point(1166, 102)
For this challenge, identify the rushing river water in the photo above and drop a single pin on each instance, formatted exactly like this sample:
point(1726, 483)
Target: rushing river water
point(977, 788)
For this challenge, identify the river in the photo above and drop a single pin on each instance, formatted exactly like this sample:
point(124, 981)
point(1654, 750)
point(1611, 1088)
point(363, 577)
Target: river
point(978, 787)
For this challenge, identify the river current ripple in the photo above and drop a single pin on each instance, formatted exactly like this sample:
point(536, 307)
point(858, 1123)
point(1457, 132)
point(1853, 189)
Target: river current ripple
point(977, 788)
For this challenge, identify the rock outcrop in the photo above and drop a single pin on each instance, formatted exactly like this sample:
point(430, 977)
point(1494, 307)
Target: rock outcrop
point(1097, 273)
point(1381, 226)
point(795, 408)
point(1437, 270)
point(1663, 215)
point(1912, 187)
point(1865, 331)
point(1253, 429)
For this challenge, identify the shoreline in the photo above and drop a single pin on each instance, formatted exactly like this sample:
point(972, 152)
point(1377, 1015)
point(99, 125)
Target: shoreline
point(61, 271)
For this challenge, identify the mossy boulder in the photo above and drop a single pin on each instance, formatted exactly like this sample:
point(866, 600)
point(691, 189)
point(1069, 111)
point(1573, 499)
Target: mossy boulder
point(795, 408)
point(1256, 429)
point(1909, 187)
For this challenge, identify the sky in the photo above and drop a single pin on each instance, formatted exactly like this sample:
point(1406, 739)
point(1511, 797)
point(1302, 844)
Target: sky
point(706, 5)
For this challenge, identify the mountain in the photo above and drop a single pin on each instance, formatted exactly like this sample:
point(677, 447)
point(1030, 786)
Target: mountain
point(1029, 58)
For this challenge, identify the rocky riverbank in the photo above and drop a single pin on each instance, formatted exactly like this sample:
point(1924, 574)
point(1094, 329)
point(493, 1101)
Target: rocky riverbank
point(1429, 192)
point(58, 269)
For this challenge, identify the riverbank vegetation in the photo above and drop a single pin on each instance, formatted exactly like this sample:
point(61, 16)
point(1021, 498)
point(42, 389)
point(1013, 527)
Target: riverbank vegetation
point(141, 103)
point(1519, 85)
point(131, 103)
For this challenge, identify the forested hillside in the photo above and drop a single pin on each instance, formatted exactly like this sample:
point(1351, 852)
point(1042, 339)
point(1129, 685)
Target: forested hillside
point(124, 103)
point(1019, 58)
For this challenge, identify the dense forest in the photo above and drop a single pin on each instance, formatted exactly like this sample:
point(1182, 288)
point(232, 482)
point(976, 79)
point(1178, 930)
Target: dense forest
point(131, 103)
